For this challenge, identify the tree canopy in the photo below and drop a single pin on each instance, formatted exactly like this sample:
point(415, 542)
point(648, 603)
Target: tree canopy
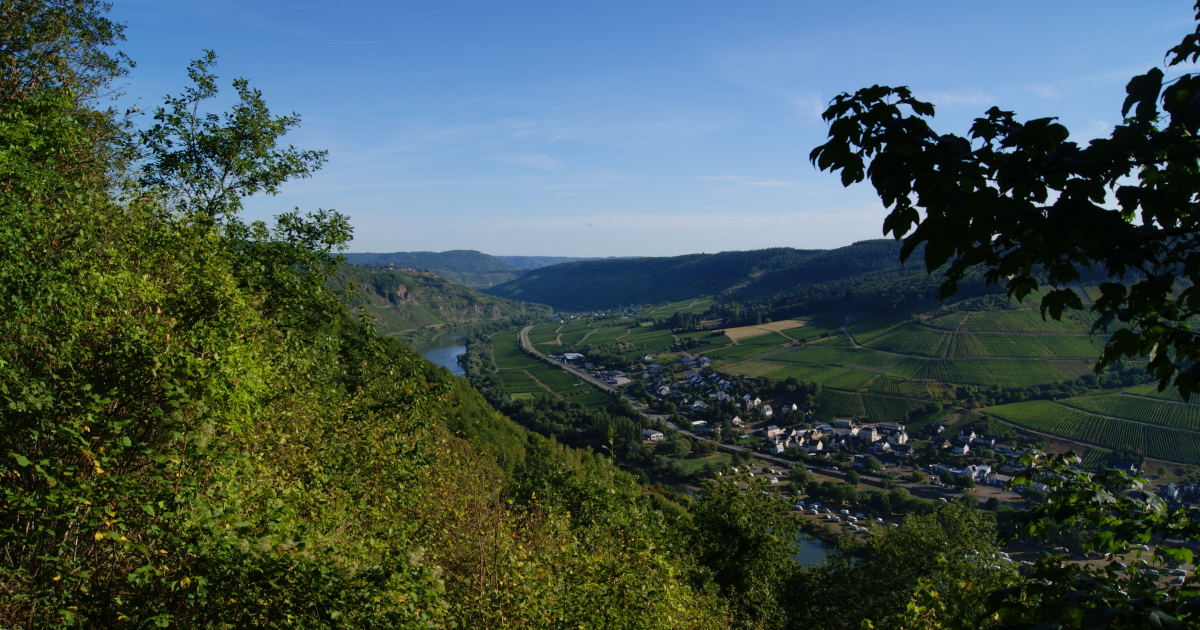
point(1030, 207)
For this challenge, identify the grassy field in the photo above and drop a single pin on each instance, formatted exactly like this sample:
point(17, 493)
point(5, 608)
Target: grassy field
point(544, 333)
point(693, 464)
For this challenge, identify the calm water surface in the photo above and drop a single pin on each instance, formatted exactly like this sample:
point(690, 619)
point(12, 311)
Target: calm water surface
point(812, 551)
point(444, 351)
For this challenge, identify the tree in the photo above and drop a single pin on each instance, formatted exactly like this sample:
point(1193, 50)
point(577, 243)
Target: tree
point(1023, 206)
point(1098, 512)
point(952, 551)
point(872, 464)
point(206, 163)
point(744, 541)
point(58, 44)
point(853, 478)
point(800, 475)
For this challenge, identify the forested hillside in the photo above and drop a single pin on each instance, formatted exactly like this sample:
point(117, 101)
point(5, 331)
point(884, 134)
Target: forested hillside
point(783, 276)
point(403, 300)
point(196, 433)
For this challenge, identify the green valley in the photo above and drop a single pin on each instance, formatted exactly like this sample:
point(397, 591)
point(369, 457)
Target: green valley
point(213, 421)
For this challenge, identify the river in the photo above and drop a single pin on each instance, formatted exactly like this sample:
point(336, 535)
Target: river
point(811, 550)
point(444, 351)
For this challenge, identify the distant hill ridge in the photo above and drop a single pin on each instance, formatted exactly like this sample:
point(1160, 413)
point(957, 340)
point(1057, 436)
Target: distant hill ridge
point(464, 266)
point(738, 275)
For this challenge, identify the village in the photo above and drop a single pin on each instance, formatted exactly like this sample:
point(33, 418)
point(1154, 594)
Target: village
point(940, 463)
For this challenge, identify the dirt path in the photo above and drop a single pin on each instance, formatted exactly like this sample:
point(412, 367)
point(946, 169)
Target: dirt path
point(544, 386)
point(848, 335)
point(589, 334)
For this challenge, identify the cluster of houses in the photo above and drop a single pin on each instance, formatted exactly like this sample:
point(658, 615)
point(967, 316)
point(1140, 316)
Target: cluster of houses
point(962, 444)
point(623, 312)
point(696, 378)
point(1176, 495)
point(884, 437)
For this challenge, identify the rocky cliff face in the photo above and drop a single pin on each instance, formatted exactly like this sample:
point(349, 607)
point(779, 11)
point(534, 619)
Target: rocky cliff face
point(404, 300)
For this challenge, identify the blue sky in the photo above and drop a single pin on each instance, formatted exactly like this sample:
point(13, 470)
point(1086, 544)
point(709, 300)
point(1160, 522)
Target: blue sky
point(627, 128)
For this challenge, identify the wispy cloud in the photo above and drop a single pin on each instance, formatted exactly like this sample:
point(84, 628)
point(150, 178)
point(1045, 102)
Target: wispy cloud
point(1045, 90)
point(808, 105)
point(746, 181)
point(972, 97)
point(529, 160)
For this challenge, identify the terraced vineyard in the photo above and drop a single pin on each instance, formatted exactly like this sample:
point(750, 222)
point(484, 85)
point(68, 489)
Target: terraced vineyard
point(888, 384)
point(1026, 321)
point(927, 341)
point(525, 376)
point(1051, 418)
point(877, 408)
point(1177, 415)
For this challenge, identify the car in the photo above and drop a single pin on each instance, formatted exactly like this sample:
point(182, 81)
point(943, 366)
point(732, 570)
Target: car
point(879, 521)
point(814, 511)
point(1178, 572)
point(860, 516)
point(851, 519)
point(846, 512)
point(834, 518)
point(1142, 548)
point(800, 504)
point(816, 504)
